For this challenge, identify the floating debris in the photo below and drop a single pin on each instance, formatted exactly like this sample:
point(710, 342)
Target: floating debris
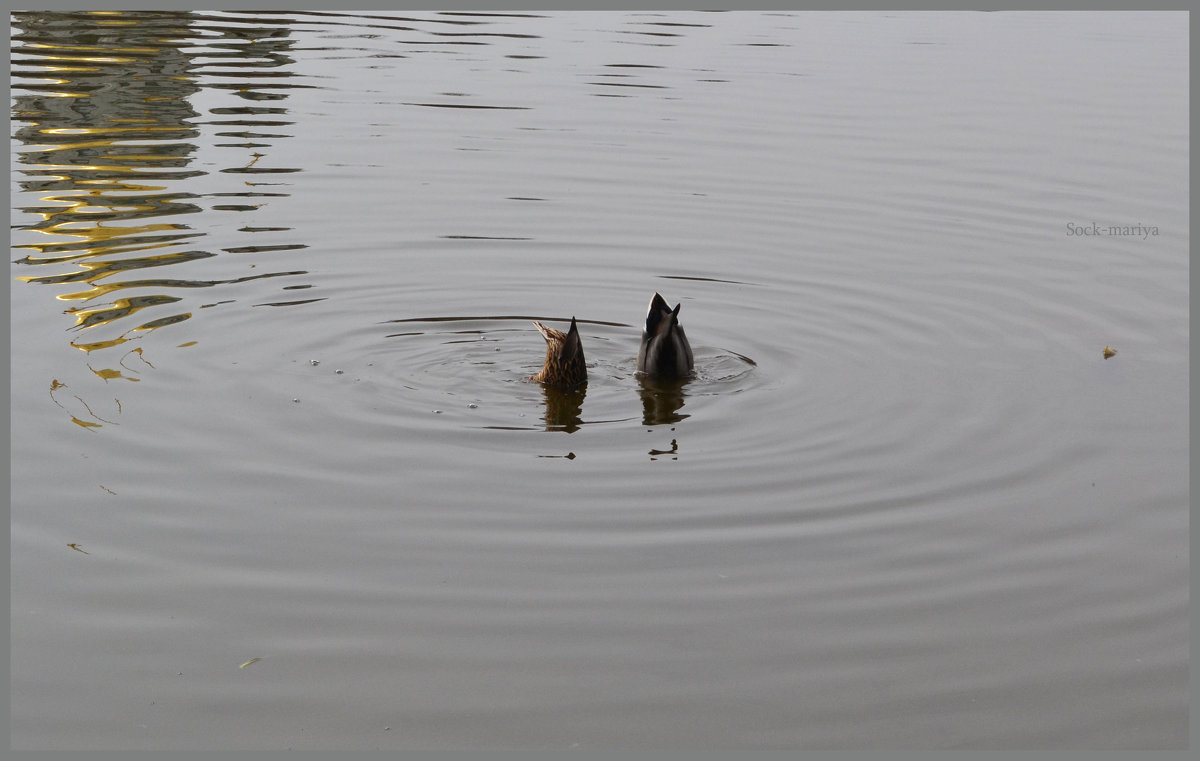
point(247, 663)
point(77, 548)
point(472, 406)
point(314, 362)
point(1109, 352)
point(337, 372)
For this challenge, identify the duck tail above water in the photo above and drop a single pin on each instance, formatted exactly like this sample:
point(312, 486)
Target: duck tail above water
point(664, 351)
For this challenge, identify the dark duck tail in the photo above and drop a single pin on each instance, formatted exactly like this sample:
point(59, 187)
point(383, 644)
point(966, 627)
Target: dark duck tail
point(665, 351)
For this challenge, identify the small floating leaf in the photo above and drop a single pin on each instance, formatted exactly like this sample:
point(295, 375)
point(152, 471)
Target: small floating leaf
point(247, 663)
point(77, 548)
point(1109, 352)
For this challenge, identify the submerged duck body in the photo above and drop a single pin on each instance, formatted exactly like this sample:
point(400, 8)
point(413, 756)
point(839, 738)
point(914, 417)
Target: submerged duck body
point(665, 351)
point(564, 365)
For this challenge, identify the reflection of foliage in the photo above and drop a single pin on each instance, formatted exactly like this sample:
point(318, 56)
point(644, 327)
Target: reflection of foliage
point(102, 108)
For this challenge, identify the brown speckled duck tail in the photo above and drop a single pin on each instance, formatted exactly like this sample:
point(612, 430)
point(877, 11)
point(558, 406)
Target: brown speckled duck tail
point(564, 357)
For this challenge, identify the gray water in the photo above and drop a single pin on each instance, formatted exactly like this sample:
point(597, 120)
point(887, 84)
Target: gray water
point(272, 283)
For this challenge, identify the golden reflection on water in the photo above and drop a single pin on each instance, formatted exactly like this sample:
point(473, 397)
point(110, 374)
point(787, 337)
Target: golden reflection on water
point(107, 145)
point(96, 420)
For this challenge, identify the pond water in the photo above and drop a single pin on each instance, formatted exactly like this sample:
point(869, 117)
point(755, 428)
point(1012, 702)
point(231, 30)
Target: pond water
point(279, 480)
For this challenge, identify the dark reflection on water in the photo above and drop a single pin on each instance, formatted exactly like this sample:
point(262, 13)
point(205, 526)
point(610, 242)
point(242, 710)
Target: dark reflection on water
point(110, 142)
point(662, 400)
point(564, 408)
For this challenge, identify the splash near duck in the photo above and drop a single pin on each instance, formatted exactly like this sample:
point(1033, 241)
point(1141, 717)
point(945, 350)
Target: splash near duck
point(665, 351)
point(564, 365)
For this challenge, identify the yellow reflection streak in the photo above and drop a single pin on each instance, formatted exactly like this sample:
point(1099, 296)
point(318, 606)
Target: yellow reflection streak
point(86, 318)
point(69, 69)
point(94, 292)
point(77, 146)
point(88, 59)
point(106, 131)
point(107, 374)
point(95, 345)
point(85, 49)
point(116, 168)
point(101, 269)
point(122, 185)
point(114, 242)
point(49, 94)
point(97, 232)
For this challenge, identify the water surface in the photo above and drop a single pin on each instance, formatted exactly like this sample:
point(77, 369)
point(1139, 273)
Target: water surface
point(272, 283)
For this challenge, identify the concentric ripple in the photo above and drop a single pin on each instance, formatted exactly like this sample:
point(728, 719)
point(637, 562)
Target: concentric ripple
point(483, 364)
